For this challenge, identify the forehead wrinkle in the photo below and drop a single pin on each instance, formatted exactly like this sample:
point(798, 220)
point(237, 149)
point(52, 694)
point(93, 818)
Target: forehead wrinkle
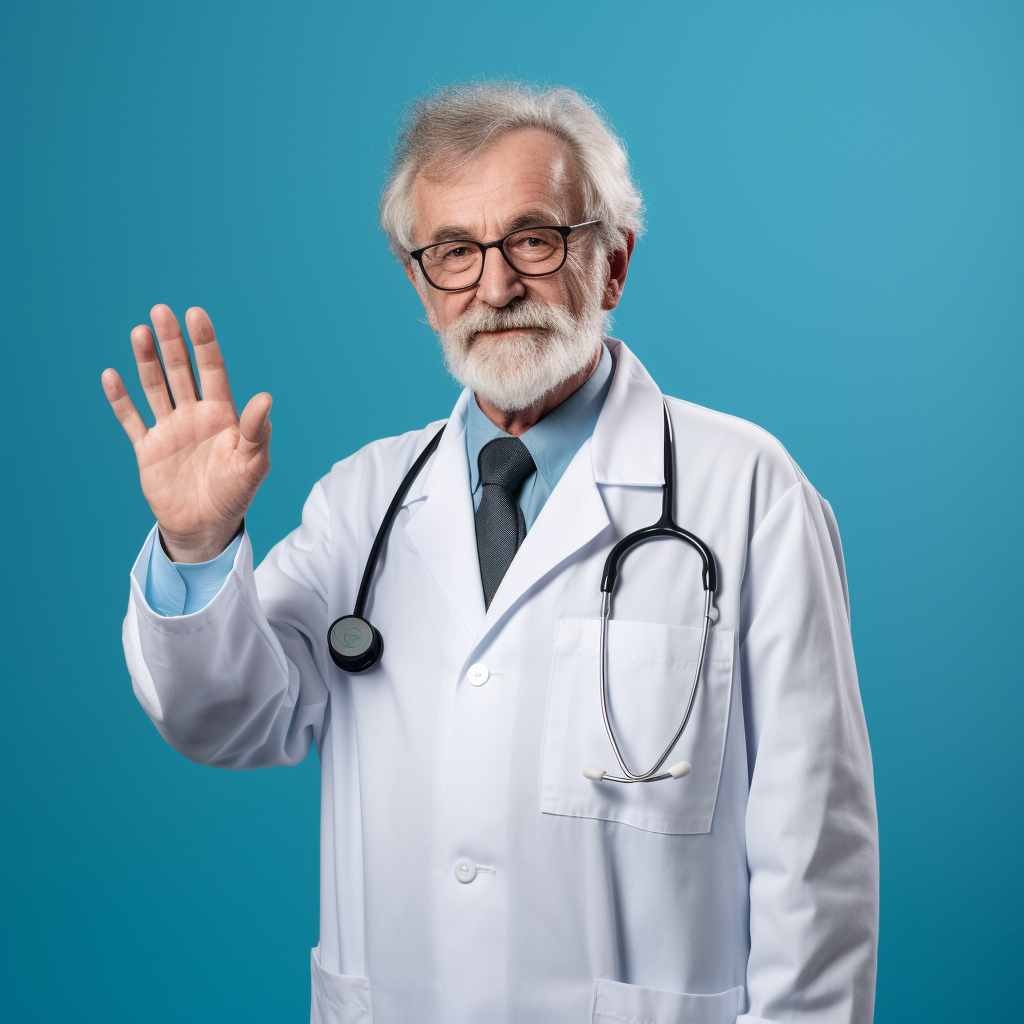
point(538, 210)
point(531, 218)
point(483, 191)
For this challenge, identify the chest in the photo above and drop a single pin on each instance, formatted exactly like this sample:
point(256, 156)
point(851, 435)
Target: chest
point(516, 702)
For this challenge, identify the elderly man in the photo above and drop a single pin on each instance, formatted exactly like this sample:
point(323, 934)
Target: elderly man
point(480, 861)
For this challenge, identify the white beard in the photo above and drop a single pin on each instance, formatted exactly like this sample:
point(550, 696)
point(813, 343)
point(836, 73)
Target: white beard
point(515, 373)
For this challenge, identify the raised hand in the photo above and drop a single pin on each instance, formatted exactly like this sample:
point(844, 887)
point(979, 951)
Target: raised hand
point(200, 464)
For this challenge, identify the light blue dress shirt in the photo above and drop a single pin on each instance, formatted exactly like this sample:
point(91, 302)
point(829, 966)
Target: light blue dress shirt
point(178, 588)
point(553, 441)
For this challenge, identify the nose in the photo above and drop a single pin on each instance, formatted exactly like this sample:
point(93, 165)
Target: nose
point(499, 283)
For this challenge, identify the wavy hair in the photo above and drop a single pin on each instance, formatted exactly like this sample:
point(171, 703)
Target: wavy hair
point(458, 123)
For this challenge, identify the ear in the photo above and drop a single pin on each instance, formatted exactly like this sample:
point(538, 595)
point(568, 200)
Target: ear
point(618, 264)
point(416, 281)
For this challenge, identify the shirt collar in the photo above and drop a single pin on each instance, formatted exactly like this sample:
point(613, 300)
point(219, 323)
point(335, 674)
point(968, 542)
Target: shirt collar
point(553, 441)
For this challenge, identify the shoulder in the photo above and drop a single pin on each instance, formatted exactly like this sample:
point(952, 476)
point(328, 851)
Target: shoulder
point(378, 467)
point(737, 439)
point(730, 453)
point(745, 483)
point(717, 448)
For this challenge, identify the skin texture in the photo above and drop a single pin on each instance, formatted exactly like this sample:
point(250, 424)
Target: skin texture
point(201, 464)
point(526, 171)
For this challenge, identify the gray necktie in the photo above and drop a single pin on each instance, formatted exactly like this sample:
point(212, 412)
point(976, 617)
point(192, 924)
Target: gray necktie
point(504, 464)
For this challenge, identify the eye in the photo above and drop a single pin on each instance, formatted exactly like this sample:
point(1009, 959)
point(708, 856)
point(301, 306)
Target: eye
point(534, 246)
point(454, 253)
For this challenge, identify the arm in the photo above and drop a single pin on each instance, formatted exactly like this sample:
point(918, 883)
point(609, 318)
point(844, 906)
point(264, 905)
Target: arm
point(236, 683)
point(241, 682)
point(812, 844)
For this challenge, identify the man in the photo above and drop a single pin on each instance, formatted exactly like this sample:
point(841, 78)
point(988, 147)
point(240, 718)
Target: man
point(470, 871)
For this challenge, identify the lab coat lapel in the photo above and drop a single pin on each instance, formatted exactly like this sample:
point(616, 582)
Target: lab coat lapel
point(626, 449)
point(443, 528)
point(628, 438)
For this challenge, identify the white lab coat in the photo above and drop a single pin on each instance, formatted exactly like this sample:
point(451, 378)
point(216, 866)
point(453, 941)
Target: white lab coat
point(746, 891)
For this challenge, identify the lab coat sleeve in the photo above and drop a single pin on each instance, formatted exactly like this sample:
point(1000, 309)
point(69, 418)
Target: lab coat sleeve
point(811, 829)
point(241, 682)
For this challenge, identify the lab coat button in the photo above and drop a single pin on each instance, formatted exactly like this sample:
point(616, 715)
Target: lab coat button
point(477, 674)
point(465, 869)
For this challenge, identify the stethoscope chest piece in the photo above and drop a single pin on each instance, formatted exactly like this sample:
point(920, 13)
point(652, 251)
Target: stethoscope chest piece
point(355, 645)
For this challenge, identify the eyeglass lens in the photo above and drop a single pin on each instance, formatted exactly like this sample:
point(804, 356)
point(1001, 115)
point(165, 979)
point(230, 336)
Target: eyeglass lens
point(457, 264)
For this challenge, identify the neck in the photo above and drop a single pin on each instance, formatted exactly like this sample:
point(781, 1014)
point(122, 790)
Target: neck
point(519, 421)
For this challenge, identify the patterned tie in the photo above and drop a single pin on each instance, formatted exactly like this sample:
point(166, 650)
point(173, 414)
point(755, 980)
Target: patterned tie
point(504, 464)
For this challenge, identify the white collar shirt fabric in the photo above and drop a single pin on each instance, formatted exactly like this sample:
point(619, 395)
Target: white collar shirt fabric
point(469, 872)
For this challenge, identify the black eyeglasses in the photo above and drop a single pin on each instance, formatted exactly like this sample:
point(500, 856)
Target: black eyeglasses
point(533, 252)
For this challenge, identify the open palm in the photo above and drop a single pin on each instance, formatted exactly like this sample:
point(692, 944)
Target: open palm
point(200, 464)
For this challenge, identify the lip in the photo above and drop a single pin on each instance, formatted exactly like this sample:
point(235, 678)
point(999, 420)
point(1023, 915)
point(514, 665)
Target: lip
point(505, 333)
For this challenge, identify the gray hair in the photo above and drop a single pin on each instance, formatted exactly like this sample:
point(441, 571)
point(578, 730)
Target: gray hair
point(460, 122)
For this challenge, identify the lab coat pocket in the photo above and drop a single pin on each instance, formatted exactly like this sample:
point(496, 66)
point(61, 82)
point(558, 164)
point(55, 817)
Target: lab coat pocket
point(650, 671)
point(631, 1004)
point(338, 998)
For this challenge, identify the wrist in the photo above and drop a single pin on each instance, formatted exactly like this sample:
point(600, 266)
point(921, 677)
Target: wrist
point(197, 547)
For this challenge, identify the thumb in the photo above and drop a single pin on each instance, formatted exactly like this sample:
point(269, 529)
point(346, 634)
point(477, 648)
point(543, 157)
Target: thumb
point(254, 423)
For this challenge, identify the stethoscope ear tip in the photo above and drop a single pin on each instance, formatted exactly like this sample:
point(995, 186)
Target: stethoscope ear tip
point(598, 774)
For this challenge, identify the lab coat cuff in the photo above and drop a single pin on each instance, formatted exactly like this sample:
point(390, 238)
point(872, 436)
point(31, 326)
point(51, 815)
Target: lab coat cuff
point(186, 623)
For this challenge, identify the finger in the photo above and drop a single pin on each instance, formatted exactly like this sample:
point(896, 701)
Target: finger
point(213, 374)
point(125, 412)
point(254, 424)
point(151, 373)
point(177, 363)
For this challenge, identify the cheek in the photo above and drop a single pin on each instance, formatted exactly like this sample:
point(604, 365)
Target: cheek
point(449, 306)
point(555, 289)
point(568, 288)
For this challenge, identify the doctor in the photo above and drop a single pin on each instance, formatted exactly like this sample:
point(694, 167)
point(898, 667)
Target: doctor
point(470, 872)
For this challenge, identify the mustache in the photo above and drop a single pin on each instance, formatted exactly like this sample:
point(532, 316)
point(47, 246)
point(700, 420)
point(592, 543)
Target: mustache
point(526, 314)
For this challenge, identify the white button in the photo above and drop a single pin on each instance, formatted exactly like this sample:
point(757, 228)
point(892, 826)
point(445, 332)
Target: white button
point(477, 674)
point(465, 869)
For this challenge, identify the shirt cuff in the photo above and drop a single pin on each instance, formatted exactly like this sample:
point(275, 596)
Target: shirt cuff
point(181, 588)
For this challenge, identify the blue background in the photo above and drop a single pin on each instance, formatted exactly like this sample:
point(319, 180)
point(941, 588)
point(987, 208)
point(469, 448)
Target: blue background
point(835, 252)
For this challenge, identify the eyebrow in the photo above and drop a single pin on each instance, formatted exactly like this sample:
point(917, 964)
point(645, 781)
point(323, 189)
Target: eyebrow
point(532, 218)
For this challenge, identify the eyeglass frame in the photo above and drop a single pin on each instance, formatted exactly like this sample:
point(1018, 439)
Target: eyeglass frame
point(563, 230)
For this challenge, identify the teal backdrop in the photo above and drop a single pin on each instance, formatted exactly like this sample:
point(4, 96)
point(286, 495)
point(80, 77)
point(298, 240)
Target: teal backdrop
point(835, 252)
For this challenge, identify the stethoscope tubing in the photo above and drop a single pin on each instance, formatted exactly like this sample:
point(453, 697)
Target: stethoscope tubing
point(651, 774)
point(368, 644)
point(389, 517)
point(665, 527)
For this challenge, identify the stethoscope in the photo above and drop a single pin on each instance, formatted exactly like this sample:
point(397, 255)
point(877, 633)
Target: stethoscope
point(664, 527)
point(356, 645)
